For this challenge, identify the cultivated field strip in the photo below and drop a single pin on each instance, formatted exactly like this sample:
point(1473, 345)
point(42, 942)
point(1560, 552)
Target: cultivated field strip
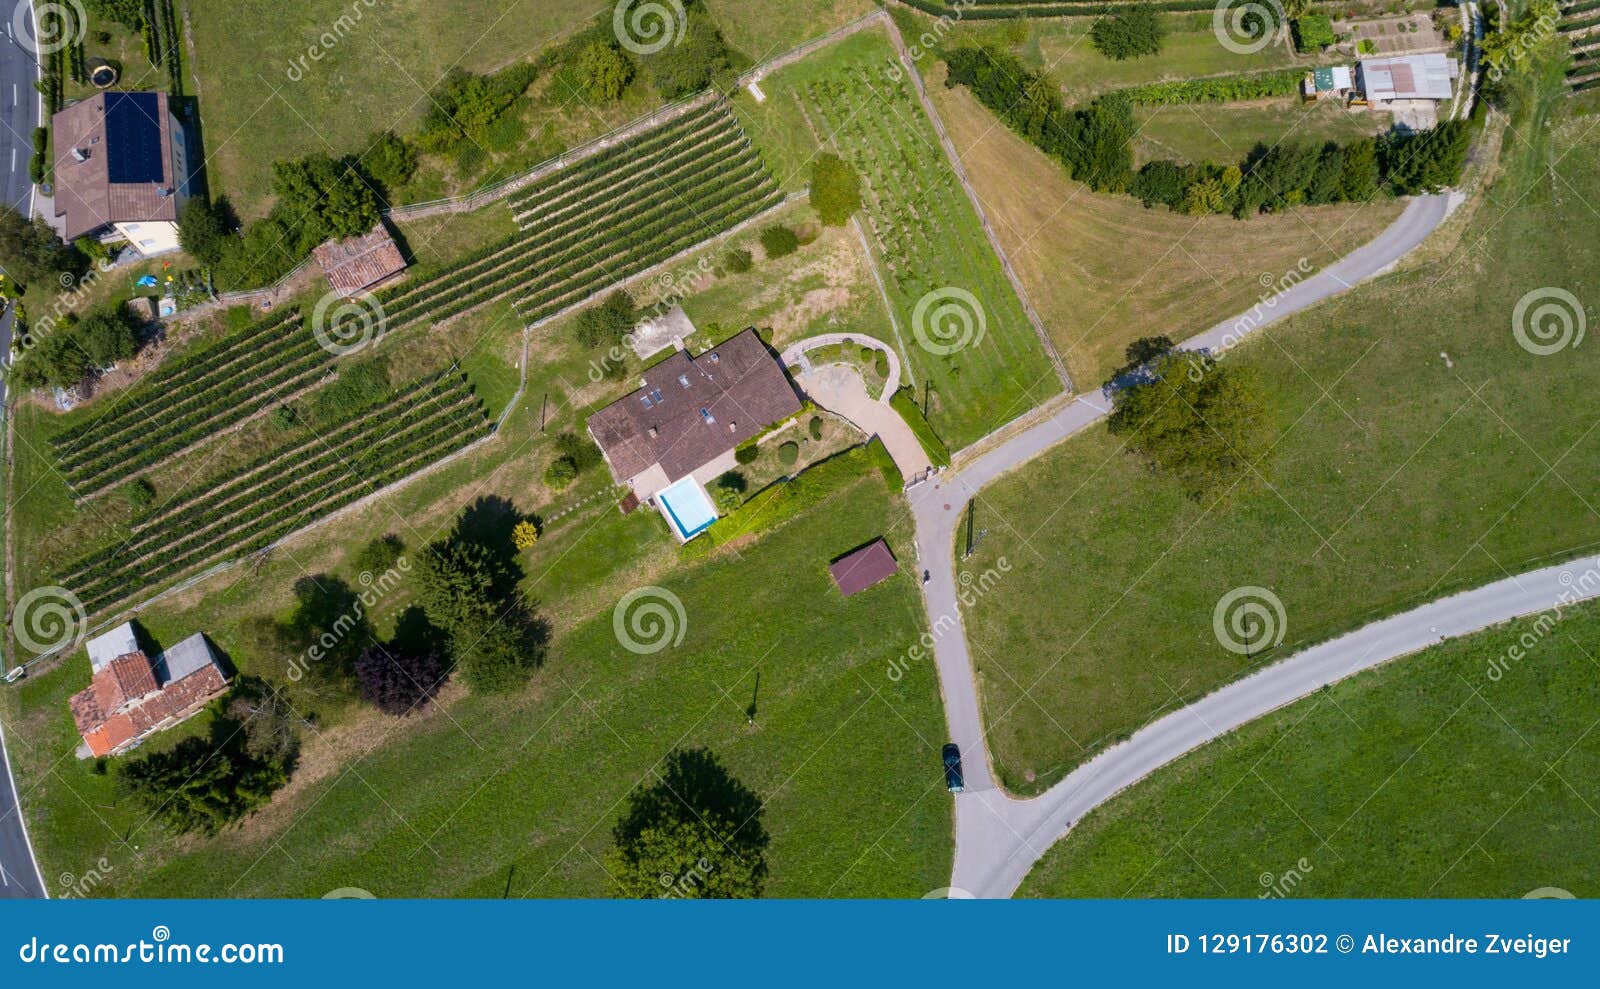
point(603, 220)
point(478, 281)
point(177, 383)
point(605, 162)
point(422, 423)
point(1008, 9)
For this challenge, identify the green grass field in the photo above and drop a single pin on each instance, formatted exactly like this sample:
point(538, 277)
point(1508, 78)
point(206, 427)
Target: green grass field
point(519, 794)
point(1225, 133)
point(1189, 50)
point(1424, 778)
point(1419, 449)
point(925, 236)
point(385, 56)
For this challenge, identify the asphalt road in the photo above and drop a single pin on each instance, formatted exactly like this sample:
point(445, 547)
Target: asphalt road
point(999, 838)
point(19, 115)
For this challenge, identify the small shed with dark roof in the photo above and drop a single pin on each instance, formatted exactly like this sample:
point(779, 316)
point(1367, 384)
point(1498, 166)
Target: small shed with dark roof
point(359, 263)
point(866, 567)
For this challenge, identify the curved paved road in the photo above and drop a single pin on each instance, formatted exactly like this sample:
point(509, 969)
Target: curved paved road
point(998, 838)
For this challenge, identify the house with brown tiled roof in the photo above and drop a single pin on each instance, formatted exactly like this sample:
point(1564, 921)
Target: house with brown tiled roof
point(689, 414)
point(121, 164)
point(131, 696)
point(360, 264)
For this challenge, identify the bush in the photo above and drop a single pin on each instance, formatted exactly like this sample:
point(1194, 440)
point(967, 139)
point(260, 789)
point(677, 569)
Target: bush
point(815, 427)
point(604, 71)
point(886, 465)
point(835, 189)
point(203, 231)
point(738, 261)
point(1313, 32)
point(524, 535)
point(789, 453)
point(401, 676)
point(1128, 33)
point(904, 402)
point(606, 324)
point(140, 493)
point(378, 555)
point(583, 453)
point(360, 386)
point(728, 491)
point(283, 418)
point(561, 472)
point(747, 452)
point(779, 241)
point(880, 363)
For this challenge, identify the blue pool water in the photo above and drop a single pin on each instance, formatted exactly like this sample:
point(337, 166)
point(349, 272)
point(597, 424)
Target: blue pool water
point(687, 508)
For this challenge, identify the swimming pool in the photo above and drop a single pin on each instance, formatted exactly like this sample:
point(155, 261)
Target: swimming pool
point(687, 507)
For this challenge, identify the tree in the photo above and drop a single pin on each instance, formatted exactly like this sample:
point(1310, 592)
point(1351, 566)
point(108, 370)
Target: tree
point(604, 71)
point(738, 261)
point(30, 250)
point(203, 231)
point(107, 334)
point(728, 491)
point(561, 472)
point(1358, 177)
point(835, 189)
point(1128, 33)
point(400, 679)
point(268, 724)
point(326, 197)
point(1142, 352)
point(469, 590)
point(691, 62)
point(205, 784)
point(379, 555)
point(696, 833)
point(388, 161)
point(779, 241)
point(1205, 423)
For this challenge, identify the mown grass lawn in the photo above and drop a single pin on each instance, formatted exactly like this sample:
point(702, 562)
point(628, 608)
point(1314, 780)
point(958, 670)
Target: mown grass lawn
point(1225, 133)
point(1189, 50)
point(925, 237)
point(518, 795)
point(1103, 270)
point(1424, 778)
point(375, 74)
point(1419, 450)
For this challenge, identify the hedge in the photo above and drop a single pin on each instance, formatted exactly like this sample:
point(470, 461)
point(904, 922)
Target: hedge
point(1224, 89)
point(886, 465)
point(904, 402)
point(777, 503)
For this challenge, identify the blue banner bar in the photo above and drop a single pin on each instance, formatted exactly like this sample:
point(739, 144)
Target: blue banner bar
point(1123, 943)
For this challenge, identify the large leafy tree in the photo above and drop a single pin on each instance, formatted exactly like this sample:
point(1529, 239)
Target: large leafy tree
point(604, 71)
point(30, 250)
point(1128, 33)
point(695, 833)
point(693, 61)
point(1200, 421)
point(400, 676)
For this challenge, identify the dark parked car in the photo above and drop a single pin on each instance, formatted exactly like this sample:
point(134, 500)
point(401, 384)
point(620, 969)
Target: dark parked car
point(952, 767)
